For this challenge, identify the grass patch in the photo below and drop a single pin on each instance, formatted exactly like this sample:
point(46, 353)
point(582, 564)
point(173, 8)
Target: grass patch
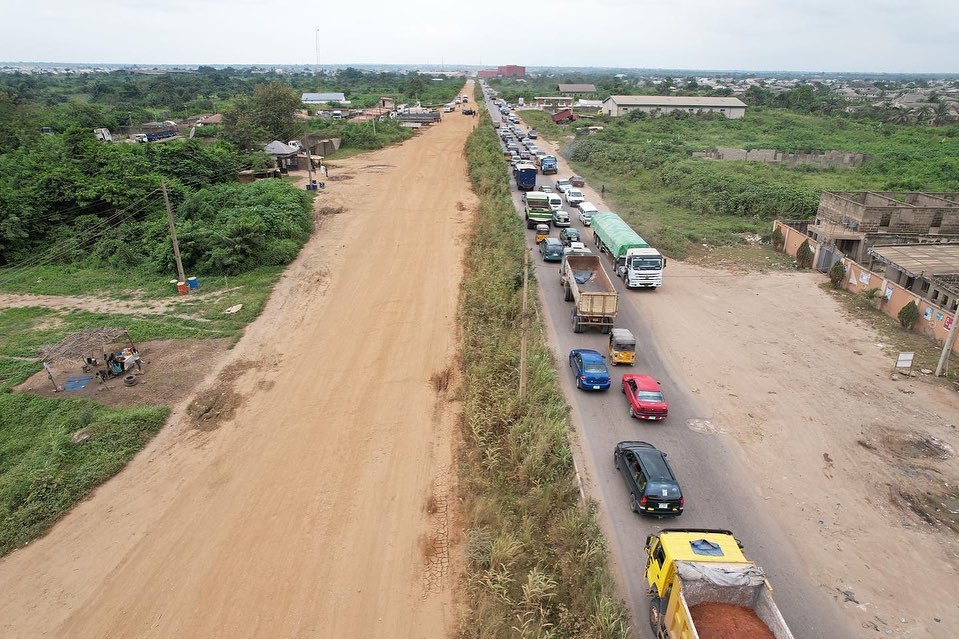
point(895, 338)
point(43, 473)
point(537, 560)
point(677, 202)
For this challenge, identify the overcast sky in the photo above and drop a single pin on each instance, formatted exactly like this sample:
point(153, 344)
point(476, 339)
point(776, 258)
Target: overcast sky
point(800, 35)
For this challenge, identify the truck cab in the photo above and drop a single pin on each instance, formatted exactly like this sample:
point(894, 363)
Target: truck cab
point(642, 268)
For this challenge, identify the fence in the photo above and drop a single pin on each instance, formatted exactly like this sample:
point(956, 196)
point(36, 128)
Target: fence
point(934, 321)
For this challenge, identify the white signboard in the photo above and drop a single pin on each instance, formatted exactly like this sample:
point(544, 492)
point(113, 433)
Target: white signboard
point(905, 360)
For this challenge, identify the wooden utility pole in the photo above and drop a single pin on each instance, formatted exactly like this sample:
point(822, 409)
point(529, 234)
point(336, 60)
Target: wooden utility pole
point(176, 246)
point(947, 346)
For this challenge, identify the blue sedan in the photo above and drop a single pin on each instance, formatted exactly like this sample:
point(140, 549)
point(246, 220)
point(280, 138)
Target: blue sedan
point(590, 369)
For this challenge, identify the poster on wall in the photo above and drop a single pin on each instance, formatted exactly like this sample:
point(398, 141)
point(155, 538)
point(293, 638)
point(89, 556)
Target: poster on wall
point(864, 278)
point(927, 314)
point(948, 323)
point(888, 292)
point(939, 316)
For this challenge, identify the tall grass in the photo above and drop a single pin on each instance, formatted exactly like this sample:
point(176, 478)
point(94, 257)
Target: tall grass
point(43, 473)
point(537, 560)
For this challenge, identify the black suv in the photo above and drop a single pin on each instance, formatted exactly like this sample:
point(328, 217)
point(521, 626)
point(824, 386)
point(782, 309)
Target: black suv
point(652, 487)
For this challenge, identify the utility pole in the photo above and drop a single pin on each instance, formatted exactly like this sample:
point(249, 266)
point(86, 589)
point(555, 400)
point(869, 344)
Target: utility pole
point(176, 245)
point(947, 346)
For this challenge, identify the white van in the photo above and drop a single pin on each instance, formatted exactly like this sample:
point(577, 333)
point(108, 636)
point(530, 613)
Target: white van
point(555, 202)
point(586, 212)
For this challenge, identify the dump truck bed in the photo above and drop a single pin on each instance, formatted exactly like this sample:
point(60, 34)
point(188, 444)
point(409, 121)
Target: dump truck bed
point(727, 599)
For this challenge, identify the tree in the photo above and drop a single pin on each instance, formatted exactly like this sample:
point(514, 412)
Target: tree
point(240, 126)
point(941, 114)
point(664, 87)
point(909, 315)
point(899, 116)
point(804, 255)
point(837, 275)
point(779, 241)
point(273, 106)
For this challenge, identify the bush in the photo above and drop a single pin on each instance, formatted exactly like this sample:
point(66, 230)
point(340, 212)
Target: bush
point(804, 255)
point(909, 315)
point(227, 229)
point(837, 275)
point(779, 240)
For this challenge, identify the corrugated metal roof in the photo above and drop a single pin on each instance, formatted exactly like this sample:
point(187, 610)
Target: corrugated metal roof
point(279, 148)
point(577, 88)
point(674, 101)
point(323, 97)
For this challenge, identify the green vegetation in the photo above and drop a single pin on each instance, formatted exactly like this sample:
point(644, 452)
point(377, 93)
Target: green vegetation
point(29, 102)
point(676, 201)
point(537, 560)
point(43, 473)
point(909, 315)
point(837, 275)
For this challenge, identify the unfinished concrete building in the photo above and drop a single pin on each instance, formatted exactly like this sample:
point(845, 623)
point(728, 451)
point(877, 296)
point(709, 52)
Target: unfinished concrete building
point(853, 223)
point(931, 271)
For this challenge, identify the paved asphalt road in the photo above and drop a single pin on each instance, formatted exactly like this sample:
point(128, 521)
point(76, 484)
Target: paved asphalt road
point(711, 469)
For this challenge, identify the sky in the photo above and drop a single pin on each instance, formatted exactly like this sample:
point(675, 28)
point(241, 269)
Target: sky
point(893, 36)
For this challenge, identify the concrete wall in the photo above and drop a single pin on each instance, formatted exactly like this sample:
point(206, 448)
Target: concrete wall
point(830, 159)
point(859, 278)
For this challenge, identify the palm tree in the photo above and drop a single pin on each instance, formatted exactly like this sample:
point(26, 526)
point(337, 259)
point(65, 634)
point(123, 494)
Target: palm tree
point(941, 114)
point(923, 114)
point(899, 115)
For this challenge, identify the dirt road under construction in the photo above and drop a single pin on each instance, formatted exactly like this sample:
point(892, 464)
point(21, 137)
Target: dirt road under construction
point(310, 494)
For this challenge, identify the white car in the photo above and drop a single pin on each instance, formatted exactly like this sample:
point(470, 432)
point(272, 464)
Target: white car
point(586, 211)
point(562, 185)
point(574, 196)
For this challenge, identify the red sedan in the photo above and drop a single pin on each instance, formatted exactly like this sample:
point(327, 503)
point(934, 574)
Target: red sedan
point(644, 397)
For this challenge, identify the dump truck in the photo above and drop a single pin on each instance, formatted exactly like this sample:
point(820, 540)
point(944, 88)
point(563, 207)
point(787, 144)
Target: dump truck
point(548, 165)
point(525, 176)
point(637, 263)
point(702, 586)
point(594, 298)
point(538, 210)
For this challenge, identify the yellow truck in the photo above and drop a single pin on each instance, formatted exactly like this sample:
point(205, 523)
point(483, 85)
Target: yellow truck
point(702, 586)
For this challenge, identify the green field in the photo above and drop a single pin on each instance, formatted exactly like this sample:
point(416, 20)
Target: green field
point(677, 202)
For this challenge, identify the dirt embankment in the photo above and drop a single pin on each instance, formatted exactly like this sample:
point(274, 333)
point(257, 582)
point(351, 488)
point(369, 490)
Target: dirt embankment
point(308, 489)
point(861, 469)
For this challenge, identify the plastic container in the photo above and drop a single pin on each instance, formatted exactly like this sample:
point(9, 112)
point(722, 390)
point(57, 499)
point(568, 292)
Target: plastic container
point(192, 283)
point(181, 288)
point(173, 285)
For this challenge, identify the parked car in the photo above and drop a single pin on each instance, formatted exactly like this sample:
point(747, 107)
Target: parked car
point(574, 196)
point(562, 185)
point(551, 249)
point(577, 181)
point(590, 369)
point(560, 218)
point(650, 481)
point(645, 397)
point(569, 235)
